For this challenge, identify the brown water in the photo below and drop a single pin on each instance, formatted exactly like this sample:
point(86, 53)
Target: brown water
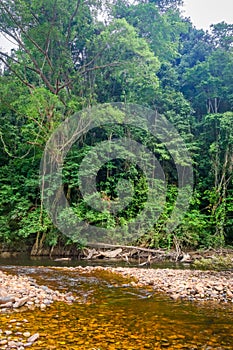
point(112, 315)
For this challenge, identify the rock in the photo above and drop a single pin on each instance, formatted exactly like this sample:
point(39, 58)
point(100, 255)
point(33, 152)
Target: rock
point(184, 284)
point(12, 344)
point(26, 334)
point(218, 287)
point(199, 289)
point(5, 254)
point(26, 345)
point(20, 292)
point(3, 293)
point(7, 305)
point(20, 302)
point(3, 342)
point(5, 300)
point(33, 338)
point(175, 296)
point(186, 258)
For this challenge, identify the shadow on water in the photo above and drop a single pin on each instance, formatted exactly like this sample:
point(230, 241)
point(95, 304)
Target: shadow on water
point(26, 260)
point(111, 314)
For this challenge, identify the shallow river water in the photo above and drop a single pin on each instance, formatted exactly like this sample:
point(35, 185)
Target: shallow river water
point(110, 314)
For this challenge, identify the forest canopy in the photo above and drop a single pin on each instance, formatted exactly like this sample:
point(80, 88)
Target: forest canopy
point(73, 55)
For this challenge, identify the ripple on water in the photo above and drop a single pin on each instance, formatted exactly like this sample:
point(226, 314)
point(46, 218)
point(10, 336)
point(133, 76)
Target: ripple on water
point(113, 315)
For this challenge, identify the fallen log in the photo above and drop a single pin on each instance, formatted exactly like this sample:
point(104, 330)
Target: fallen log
point(62, 259)
point(103, 245)
point(111, 253)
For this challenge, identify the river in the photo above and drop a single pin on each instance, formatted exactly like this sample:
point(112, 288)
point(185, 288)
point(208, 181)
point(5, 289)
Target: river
point(110, 314)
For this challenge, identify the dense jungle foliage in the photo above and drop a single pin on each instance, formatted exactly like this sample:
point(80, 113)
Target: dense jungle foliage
point(71, 55)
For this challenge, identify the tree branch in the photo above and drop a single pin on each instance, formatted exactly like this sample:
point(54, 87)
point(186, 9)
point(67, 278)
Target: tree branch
point(70, 21)
point(26, 34)
point(113, 64)
point(25, 82)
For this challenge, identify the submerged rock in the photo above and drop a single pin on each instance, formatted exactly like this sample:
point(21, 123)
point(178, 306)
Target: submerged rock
point(185, 284)
point(193, 285)
point(33, 338)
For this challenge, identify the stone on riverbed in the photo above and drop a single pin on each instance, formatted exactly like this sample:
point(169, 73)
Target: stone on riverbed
point(193, 285)
point(33, 338)
point(20, 302)
point(185, 284)
point(6, 305)
point(26, 334)
point(5, 300)
point(18, 292)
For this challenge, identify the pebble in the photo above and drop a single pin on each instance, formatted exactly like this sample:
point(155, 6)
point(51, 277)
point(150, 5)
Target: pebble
point(193, 285)
point(33, 338)
point(20, 291)
point(3, 342)
point(16, 294)
point(186, 284)
point(26, 334)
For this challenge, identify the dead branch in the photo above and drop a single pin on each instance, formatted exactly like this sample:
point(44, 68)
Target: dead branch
point(103, 245)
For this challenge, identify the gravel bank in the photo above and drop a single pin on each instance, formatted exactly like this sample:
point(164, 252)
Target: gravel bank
point(185, 284)
point(20, 291)
point(193, 285)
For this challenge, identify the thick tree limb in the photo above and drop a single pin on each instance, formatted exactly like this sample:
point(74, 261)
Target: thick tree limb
point(115, 246)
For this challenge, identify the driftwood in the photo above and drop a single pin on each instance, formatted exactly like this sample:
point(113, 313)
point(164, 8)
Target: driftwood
point(112, 253)
point(103, 245)
point(145, 256)
point(94, 254)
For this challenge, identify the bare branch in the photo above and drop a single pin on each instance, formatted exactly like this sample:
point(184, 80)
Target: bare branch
point(113, 64)
point(59, 88)
point(26, 34)
point(25, 82)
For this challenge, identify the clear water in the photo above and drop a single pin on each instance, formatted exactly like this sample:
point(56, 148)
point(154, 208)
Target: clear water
point(110, 314)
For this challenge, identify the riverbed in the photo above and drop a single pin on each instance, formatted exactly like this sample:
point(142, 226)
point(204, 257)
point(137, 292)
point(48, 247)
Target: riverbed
point(112, 314)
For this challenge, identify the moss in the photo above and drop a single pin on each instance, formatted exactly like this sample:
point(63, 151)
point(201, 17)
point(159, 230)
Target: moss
point(215, 262)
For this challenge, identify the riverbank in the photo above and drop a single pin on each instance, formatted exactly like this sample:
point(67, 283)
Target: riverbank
point(112, 313)
point(188, 284)
point(192, 285)
point(209, 259)
point(17, 292)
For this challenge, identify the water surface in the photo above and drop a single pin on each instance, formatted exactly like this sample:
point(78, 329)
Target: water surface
point(111, 314)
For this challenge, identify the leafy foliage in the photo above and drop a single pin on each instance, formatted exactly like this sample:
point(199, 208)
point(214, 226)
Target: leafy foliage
point(68, 57)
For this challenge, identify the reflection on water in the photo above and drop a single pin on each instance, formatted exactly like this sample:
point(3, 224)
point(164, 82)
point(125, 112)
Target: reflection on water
point(27, 260)
point(111, 315)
